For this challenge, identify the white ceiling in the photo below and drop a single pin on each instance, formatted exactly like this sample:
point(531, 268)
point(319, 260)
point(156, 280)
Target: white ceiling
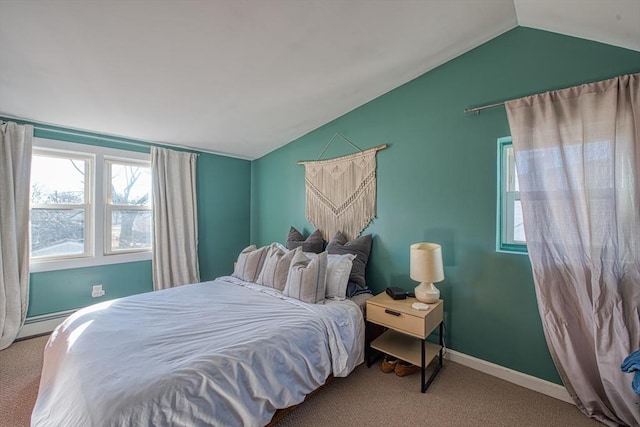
point(243, 78)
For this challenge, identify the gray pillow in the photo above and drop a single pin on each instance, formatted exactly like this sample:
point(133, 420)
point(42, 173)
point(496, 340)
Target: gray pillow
point(360, 247)
point(306, 280)
point(276, 267)
point(249, 263)
point(314, 243)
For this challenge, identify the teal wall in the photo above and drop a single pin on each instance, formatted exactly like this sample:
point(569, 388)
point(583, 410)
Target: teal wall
point(223, 185)
point(60, 290)
point(224, 198)
point(437, 182)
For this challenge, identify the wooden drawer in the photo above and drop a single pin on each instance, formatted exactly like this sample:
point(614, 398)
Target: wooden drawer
point(413, 325)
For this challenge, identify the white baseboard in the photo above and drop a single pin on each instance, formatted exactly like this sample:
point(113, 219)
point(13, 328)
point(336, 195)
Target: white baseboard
point(515, 377)
point(38, 325)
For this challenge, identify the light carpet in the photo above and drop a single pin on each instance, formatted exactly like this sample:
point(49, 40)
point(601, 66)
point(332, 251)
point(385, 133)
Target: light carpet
point(459, 396)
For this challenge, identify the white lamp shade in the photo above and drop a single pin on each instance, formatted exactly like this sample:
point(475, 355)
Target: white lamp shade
point(426, 262)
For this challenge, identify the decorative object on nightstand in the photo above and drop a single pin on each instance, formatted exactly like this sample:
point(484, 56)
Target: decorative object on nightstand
point(426, 268)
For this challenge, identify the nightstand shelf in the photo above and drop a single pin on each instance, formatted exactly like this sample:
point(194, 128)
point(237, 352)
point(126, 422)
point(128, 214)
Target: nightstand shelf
point(406, 332)
point(405, 347)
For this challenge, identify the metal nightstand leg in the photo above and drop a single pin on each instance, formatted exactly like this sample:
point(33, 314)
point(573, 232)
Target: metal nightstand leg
point(367, 344)
point(371, 355)
point(424, 385)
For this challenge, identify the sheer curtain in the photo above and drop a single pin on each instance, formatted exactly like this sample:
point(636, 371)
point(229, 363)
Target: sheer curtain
point(578, 160)
point(175, 222)
point(15, 174)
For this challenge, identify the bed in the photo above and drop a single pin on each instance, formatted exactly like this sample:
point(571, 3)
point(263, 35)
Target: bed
point(225, 352)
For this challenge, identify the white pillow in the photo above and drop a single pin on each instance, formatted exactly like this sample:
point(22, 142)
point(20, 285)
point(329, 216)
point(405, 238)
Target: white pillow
point(249, 263)
point(276, 267)
point(306, 280)
point(280, 246)
point(338, 271)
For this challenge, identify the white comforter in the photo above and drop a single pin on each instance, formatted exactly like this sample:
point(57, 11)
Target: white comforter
point(219, 353)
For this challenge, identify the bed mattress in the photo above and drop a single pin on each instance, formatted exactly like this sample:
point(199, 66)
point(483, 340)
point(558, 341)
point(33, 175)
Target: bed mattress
point(222, 353)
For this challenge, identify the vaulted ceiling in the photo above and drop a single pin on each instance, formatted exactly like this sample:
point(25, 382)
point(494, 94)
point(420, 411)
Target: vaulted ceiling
point(245, 77)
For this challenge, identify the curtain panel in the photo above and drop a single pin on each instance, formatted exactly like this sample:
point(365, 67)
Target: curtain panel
point(15, 174)
point(175, 222)
point(578, 162)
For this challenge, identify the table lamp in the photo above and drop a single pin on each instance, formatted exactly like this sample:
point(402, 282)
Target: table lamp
point(426, 268)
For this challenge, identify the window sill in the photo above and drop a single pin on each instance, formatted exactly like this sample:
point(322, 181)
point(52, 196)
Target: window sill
point(65, 264)
point(513, 249)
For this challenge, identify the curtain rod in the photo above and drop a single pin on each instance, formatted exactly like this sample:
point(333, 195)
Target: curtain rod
point(99, 137)
point(77, 132)
point(125, 141)
point(96, 137)
point(501, 103)
point(483, 107)
point(498, 104)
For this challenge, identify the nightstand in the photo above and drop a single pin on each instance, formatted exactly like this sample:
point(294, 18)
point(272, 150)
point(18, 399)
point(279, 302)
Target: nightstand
point(406, 332)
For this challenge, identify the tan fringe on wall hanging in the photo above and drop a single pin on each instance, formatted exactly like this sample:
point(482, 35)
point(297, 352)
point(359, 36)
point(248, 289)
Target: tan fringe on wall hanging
point(341, 192)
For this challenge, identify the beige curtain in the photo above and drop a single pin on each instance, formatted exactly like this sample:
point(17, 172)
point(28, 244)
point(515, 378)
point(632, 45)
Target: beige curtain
point(15, 175)
point(175, 222)
point(578, 161)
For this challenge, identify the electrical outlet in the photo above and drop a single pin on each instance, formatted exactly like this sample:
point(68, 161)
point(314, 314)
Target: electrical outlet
point(97, 291)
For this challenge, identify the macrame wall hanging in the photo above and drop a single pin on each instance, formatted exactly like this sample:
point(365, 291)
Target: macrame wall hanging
point(341, 192)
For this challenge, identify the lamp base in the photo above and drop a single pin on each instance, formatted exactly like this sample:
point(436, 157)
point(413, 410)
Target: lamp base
point(427, 293)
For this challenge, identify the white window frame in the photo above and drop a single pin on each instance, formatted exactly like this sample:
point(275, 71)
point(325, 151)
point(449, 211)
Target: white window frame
point(505, 239)
point(97, 231)
point(87, 206)
point(110, 207)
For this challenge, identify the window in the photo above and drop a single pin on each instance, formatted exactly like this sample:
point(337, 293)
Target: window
point(128, 207)
point(61, 204)
point(510, 226)
point(90, 206)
